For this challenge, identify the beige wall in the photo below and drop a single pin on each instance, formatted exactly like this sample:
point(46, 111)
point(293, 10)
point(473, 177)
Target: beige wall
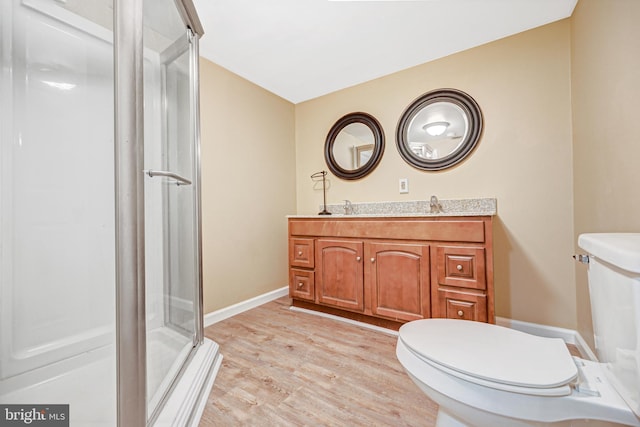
point(559, 152)
point(248, 187)
point(606, 106)
point(524, 159)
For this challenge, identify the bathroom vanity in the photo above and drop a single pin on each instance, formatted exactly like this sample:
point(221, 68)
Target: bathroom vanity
point(391, 269)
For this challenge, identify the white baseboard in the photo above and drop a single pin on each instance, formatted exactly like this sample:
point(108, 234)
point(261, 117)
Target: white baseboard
point(568, 335)
point(232, 310)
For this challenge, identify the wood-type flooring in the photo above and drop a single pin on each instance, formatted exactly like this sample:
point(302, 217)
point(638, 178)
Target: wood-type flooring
point(287, 368)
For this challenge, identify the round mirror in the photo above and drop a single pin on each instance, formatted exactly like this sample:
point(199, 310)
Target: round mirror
point(354, 146)
point(439, 129)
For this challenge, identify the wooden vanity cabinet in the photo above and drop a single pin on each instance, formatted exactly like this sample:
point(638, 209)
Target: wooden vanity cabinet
point(389, 271)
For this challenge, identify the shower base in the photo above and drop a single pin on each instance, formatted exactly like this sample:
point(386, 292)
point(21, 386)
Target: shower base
point(87, 384)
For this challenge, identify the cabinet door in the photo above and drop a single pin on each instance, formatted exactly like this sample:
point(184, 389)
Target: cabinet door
point(339, 276)
point(397, 275)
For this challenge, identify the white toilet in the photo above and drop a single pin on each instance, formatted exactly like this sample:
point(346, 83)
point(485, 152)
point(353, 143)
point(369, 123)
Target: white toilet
point(487, 375)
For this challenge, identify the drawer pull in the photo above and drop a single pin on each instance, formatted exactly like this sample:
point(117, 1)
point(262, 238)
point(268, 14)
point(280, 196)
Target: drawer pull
point(460, 313)
point(299, 253)
point(459, 267)
point(300, 285)
point(358, 258)
point(373, 260)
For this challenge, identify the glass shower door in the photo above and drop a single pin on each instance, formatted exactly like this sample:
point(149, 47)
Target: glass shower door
point(180, 227)
point(171, 222)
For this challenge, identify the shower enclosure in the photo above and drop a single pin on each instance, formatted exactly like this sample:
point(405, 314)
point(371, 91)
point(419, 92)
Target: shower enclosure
point(100, 261)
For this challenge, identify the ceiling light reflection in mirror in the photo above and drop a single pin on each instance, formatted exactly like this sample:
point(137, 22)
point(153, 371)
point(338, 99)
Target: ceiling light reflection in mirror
point(437, 130)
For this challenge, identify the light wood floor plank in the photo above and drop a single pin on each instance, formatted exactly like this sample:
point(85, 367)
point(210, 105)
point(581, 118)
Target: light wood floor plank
point(288, 368)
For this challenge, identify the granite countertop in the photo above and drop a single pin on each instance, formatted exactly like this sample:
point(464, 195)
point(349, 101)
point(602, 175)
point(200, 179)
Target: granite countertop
point(418, 208)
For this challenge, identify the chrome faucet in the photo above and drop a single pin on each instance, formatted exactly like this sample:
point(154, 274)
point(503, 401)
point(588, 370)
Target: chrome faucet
point(348, 207)
point(435, 205)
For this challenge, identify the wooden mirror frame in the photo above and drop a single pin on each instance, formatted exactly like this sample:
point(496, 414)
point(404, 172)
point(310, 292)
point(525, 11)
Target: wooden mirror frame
point(474, 131)
point(378, 146)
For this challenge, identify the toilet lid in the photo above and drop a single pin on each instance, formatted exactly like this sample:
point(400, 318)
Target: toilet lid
point(492, 354)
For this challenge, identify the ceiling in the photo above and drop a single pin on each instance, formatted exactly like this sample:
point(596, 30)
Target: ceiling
point(302, 49)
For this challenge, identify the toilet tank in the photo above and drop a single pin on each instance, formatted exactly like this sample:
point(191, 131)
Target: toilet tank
point(614, 287)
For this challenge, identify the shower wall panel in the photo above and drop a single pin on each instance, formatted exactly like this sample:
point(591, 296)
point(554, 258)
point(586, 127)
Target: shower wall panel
point(56, 186)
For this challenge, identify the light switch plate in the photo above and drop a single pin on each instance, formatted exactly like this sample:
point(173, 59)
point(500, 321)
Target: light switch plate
point(403, 185)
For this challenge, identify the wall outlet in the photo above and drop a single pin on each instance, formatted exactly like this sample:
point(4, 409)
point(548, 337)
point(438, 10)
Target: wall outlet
point(403, 185)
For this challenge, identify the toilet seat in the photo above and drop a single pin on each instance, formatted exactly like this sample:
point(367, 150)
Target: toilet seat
point(513, 361)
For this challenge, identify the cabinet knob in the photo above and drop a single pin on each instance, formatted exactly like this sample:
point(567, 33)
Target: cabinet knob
point(373, 260)
point(299, 253)
point(300, 285)
point(460, 313)
point(459, 267)
point(358, 258)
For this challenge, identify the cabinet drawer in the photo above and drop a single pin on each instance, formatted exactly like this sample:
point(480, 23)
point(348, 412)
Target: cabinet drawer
point(462, 267)
point(301, 253)
point(462, 305)
point(301, 284)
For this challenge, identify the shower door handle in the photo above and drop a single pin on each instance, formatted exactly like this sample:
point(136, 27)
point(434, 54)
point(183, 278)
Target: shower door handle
point(180, 180)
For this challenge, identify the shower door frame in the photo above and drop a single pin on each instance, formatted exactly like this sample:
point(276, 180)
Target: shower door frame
point(129, 190)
